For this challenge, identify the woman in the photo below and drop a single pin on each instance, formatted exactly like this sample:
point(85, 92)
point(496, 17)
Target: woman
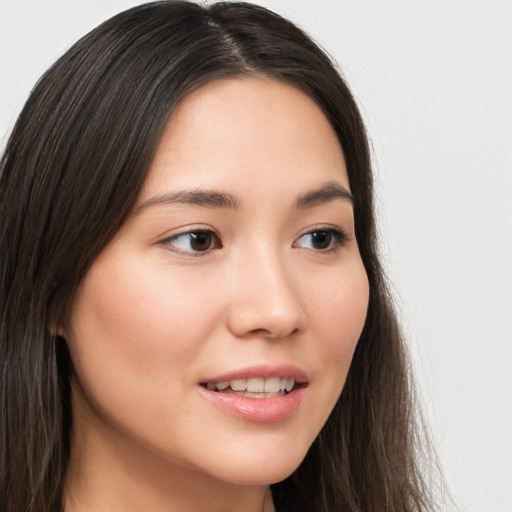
point(175, 155)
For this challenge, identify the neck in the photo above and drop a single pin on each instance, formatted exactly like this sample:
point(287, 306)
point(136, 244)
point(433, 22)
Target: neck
point(113, 483)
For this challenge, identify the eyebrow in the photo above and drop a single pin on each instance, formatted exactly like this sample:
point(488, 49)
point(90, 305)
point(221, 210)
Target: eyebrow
point(213, 199)
point(328, 192)
point(205, 198)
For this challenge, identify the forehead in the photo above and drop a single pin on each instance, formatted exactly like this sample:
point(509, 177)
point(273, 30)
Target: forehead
point(246, 130)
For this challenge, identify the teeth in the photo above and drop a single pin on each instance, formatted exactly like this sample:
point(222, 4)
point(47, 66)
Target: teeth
point(254, 385)
point(238, 384)
point(273, 385)
point(250, 394)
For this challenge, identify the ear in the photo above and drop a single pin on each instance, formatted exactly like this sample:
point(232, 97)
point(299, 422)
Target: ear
point(56, 330)
point(55, 324)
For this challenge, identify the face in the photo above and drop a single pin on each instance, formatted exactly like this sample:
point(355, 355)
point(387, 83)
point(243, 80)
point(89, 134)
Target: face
point(214, 333)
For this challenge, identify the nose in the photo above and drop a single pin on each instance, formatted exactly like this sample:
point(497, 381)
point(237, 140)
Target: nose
point(265, 298)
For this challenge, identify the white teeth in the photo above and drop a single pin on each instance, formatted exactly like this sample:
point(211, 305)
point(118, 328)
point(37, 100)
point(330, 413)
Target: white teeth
point(273, 385)
point(249, 394)
point(255, 385)
point(238, 384)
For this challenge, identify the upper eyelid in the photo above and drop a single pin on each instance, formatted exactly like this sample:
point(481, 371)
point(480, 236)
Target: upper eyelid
point(167, 241)
point(324, 227)
point(340, 232)
point(175, 233)
point(305, 231)
point(342, 238)
point(190, 232)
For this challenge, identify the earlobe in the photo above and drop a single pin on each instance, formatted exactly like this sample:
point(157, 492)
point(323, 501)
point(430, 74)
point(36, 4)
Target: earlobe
point(56, 330)
point(55, 325)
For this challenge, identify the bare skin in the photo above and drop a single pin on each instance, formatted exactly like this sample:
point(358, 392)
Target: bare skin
point(239, 257)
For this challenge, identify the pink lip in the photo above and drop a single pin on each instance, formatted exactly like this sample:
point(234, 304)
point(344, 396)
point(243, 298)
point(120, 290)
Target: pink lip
point(265, 371)
point(259, 410)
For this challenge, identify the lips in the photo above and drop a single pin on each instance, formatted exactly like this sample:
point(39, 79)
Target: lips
point(260, 394)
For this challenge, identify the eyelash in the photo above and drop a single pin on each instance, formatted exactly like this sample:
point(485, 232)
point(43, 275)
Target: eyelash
point(338, 238)
point(190, 234)
point(337, 241)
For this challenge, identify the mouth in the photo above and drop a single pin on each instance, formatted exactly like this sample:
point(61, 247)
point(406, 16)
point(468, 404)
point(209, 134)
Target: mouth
point(262, 393)
point(255, 387)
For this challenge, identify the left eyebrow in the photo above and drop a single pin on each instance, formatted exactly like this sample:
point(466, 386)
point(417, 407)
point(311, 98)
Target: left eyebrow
point(329, 192)
point(203, 198)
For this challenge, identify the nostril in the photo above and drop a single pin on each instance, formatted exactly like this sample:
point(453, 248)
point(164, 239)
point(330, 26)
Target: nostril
point(272, 334)
point(268, 308)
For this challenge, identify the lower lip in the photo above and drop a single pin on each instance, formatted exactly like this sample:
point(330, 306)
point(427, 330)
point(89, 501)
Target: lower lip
point(259, 410)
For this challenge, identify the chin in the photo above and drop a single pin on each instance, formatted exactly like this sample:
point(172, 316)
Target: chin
point(260, 475)
point(261, 467)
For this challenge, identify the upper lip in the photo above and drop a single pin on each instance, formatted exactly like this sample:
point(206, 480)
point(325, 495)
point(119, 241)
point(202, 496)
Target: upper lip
point(264, 371)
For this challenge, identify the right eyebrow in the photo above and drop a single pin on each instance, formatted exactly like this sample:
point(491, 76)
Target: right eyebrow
point(204, 198)
point(329, 192)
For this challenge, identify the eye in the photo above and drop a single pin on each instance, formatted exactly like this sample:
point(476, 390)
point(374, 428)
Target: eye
point(194, 241)
point(321, 240)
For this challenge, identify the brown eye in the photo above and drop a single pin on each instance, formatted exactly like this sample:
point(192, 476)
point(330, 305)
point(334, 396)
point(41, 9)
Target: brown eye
point(321, 240)
point(194, 242)
point(201, 241)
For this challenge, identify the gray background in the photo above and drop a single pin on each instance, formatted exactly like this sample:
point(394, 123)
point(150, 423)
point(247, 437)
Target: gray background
point(434, 82)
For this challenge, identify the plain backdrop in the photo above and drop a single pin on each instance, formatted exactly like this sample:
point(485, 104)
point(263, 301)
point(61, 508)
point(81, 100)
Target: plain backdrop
point(434, 82)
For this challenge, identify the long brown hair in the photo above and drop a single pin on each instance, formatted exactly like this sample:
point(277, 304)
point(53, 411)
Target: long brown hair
point(71, 172)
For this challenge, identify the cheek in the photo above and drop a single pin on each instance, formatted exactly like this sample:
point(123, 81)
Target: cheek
point(338, 307)
point(136, 310)
point(133, 330)
point(338, 316)
point(133, 333)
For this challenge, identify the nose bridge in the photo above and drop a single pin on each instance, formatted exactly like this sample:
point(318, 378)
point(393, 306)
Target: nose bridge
point(264, 298)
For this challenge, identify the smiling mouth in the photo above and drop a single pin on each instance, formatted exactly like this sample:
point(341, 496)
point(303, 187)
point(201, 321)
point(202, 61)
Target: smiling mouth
point(254, 387)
